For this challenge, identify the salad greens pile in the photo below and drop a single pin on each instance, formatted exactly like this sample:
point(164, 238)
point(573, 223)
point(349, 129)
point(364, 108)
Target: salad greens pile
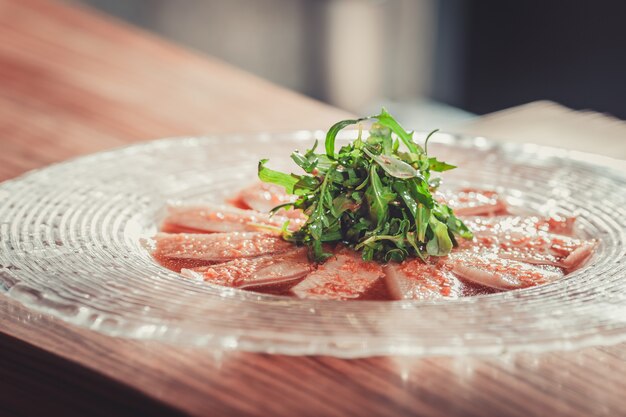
point(372, 195)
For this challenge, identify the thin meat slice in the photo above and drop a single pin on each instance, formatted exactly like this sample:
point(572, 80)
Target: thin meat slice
point(520, 224)
point(277, 272)
point(343, 277)
point(503, 274)
point(185, 250)
point(473, 202)
point(539, 248)
point(416, 280)
point(557, 224)
point(263, 197)
point(579, 255)
point(212, 218)
point(546, 249)
point(529, 239)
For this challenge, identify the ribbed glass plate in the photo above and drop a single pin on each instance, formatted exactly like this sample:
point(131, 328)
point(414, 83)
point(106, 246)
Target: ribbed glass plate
point(70, 246)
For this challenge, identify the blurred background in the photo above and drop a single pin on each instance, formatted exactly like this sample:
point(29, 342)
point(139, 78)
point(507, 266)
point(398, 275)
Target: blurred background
point(428, 61)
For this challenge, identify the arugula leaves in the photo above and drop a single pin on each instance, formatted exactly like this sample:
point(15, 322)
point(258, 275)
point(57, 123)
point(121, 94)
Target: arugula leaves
point(370, 195)
point(276, 177)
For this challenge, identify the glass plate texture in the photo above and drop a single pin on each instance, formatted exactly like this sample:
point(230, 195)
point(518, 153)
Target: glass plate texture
point(71, 246)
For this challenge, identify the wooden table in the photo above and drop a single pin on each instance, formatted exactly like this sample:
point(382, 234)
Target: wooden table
point(72, 82)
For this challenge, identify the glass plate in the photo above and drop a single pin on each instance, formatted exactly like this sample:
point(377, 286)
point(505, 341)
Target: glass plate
point(71, 246)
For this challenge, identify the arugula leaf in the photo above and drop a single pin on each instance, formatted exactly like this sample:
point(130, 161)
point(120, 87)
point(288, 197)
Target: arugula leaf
point(440, 244)
point(421, 222)
point(402, 189)
point(306, 162)
point(378, 197)
point(394, 167)
point(370, 195)
point(276, 177)
point(439, 166)
point(341, 204)
point(385, 119)
point(332, 134)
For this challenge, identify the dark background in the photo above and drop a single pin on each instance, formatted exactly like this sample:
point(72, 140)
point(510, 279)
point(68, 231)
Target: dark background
point(495, 54)
point(475, 55)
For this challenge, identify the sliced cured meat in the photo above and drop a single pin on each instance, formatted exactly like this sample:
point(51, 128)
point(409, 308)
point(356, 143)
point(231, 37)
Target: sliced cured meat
point(472, 202)
point(263, 272)
point(378, 291)
point(557, 224)
point(536, 248)
point(546, 249)
point(264, 197)
point(238, 246)
point(343, 277)
point(579, 255)
point(520, 224)
point(502, 274)
point(185, 250)
point(527, 239)
point(211, 218)
point(415, 280)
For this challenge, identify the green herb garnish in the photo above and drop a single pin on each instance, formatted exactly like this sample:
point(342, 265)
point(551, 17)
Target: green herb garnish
point(371, 195)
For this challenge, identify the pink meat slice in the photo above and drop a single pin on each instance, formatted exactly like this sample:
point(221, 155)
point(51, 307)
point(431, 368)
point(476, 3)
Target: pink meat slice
point(557, 224)
point(212, 218)
point(473, 202)
point(186, 250)
point(343, 277)
point(415, 280)
point(263, 197)
point(503, 274)
point(547, 249)
point(258, 273)
point(536, 247)
point(520, 224)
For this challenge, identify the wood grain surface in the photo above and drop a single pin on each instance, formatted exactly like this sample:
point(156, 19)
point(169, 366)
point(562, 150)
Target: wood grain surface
point(73, 82)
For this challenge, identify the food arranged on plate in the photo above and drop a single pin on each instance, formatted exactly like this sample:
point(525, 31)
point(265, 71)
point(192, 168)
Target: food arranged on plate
point(367, 222)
